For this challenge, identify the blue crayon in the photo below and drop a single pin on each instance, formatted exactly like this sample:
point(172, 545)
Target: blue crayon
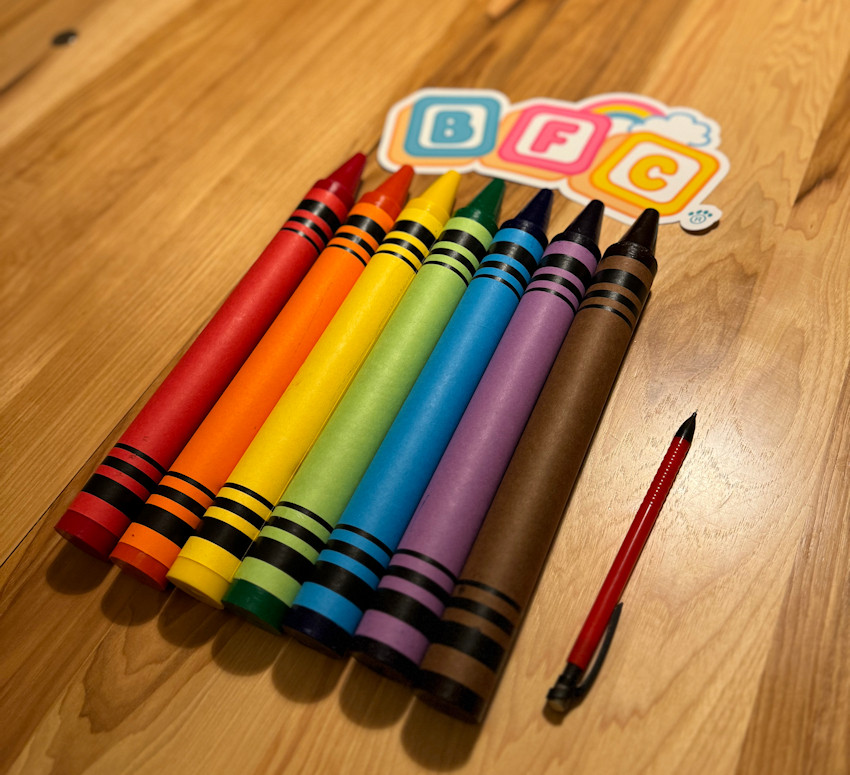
point(330, 604)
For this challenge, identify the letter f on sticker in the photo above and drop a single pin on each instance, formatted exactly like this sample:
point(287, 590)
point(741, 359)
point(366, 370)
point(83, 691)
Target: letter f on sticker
point(553, 133)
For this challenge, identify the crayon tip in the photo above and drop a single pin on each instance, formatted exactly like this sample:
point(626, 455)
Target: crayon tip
point(644, 231)
point(489, 199)
point(443, 190)
point(538, 209)
point(485, 206)
point(588, 223)
point(348, 175)
point(686, 431)
point(396, 185)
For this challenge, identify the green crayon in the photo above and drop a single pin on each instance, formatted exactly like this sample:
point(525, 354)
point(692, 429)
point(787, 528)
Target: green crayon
point(283, 555)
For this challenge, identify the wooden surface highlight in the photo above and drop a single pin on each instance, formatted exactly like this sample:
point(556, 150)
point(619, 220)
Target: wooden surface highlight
point(142, 170)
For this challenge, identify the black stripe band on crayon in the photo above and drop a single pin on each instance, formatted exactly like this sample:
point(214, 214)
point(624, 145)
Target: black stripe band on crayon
point(614, 296)
point(471, 642)
point(501, 266)
point(115, 494)
point(248, 491)
point(343, 238)
point(239, 510)
point(344, 583)
point(300, 233)
point(311, 225)
point(226, 536)
point(571, 265)
point(165, 523)
point(569, 302)
point(465, 240)
point(558, 279)
point(321, 210)
point(358, 555)
point(408, 610)
point(431, 262)
point(129, 470)
point(425, 558)
point(607, 309)
point(491, 590)
point(625, 279)
point(482, 611)
point(370, 226)
point(454, 254)
point(299, 531)
point(415, 230)
point(481, 277)
point(307, 513)
point(142, 455)
point(282, 557)
point(419, 579)
point(516, 252)
point(347, 249)
point(409, 246)
point(368, 536)
point(194, 482)
point(181, 499)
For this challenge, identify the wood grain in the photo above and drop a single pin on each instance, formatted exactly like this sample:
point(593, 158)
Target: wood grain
point(144, 167)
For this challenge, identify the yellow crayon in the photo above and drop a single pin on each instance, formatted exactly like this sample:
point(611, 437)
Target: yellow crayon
point(206, 564)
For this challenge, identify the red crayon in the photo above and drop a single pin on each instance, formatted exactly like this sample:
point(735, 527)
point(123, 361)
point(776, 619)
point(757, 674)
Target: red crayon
point(605, 612)
point(117, 490)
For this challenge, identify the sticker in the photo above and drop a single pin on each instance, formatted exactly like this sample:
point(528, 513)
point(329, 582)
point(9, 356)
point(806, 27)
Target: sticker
point(630, 151)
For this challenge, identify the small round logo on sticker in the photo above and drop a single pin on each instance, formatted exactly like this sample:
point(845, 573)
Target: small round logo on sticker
point(700, 219)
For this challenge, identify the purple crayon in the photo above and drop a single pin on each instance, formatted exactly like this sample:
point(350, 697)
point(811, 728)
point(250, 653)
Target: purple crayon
point(395, 632)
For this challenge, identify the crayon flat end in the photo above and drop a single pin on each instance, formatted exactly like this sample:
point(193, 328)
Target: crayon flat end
point(317, 631)
point(450, 697)
point(86, 534)
point(383, 659)
point(255, 605)
point(140, 566)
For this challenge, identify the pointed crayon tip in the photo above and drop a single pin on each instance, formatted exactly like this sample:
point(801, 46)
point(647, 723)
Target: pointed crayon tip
point(588, 223)
point(644, 231)
point(348, 175)
point(538, 209)
point(485, 206)
point(686, 431)
point(396, 185)
point(443, 190)
point(489, 199)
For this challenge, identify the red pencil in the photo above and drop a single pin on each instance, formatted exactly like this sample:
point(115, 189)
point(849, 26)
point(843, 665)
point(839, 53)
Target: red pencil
point(569, 689)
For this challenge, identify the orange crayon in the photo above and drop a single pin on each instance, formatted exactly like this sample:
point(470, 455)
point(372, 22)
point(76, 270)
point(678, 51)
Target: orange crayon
point(150, 544)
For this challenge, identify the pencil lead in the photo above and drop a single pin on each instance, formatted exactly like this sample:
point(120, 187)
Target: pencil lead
point(686, 431)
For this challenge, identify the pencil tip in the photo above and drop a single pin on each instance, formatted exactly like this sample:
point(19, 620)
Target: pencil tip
point(686, 431)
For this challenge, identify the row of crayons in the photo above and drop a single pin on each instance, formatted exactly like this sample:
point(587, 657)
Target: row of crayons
point(372, 442)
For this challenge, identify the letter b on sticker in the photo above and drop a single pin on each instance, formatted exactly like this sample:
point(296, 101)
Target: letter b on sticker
point(452, 126)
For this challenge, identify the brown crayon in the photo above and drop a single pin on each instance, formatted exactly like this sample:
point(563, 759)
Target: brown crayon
point(472, 640)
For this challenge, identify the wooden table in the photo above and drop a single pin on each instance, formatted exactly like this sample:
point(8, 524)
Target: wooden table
point(145, 166)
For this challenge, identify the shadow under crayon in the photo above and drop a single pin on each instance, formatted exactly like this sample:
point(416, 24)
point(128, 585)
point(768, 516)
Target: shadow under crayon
point(129, 603)
point(437, 741)
point(303, 675)
point(72, 572)
point(187, 623)
point(242, 649)
point(372, 701)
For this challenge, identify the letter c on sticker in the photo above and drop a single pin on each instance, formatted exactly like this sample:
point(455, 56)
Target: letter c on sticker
point(641, 173)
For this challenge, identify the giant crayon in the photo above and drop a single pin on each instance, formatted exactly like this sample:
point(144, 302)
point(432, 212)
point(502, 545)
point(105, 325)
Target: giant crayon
point(431, 414)
point(283, 555)
point(469, 472)
point(117, 490)
point(208, 560)
point(151, 543)
point(471, 642)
